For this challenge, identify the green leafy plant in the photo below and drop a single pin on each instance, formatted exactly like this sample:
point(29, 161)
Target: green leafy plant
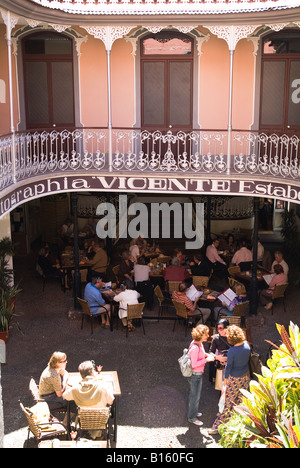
point(8, 290)
point(269, 410)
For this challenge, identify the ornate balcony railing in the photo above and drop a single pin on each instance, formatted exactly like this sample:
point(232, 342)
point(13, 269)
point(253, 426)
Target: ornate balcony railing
point(94, 151)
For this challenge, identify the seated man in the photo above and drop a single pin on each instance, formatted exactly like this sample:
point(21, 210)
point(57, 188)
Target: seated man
point(243, 257)
point(175, 271)
point(193, 310)
point(90, 391)
point(279, 260)
point(127, 297)
point(142, 281)
point(96, 302)
point(199, 266)
point(98, 264)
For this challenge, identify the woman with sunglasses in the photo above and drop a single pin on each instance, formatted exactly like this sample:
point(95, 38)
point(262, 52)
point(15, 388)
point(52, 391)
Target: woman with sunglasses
point(219, 347)
point(53, 382)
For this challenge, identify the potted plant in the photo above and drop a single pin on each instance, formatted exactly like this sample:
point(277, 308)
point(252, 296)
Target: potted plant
point(8, 290)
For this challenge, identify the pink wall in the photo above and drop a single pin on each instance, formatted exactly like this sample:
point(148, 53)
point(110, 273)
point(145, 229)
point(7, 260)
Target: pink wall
point(122, 72)
point(93, 83)
point(214, 85)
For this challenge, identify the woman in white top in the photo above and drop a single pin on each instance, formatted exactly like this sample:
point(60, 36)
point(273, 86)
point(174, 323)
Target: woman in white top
point(125, 298)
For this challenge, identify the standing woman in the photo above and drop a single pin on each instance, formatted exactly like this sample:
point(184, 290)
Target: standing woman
point(198, 360)
point(237, 375)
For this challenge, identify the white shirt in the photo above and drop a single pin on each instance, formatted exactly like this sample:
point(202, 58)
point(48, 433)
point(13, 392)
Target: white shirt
point(213, 255)
point(125, 298)
point(141, 273)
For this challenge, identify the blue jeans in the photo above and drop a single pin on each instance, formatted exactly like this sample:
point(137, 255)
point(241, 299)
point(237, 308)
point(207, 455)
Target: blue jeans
point(195, 382)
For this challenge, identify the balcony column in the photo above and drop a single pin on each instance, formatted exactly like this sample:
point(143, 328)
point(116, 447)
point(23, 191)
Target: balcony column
point(108, 35)
point(10, 22)
point(254, 281)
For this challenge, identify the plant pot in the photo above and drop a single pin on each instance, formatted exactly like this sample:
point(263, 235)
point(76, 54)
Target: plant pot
point(4, 336)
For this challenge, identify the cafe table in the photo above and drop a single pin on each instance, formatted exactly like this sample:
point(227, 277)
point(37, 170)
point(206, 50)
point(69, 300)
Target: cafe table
point(111, 380)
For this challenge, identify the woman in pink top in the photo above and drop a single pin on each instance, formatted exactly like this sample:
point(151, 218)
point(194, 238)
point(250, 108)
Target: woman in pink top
point(279, 279)
point(198, 360)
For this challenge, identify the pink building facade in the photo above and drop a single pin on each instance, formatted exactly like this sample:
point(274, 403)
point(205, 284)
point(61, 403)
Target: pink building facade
point(157, 96)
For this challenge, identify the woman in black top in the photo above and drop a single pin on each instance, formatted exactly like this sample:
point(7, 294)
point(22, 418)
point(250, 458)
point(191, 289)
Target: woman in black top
point(219, 347)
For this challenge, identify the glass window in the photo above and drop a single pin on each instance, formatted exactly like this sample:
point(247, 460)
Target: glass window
point(48, 44)
point(167, 43)
point(284, 42)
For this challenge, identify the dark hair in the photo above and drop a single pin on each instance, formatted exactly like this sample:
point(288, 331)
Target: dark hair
point(95, 279)
point(224, 322)
point(278, 269)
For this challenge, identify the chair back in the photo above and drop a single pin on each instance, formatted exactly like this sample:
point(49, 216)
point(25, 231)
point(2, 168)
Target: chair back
point(159, 294)
point(201, 281)
point(234, 320)
point(164, 259)
point(279, 290)
point(240, 309)
point(32, 426)
point(85, 307)
point(135, 311)
point(181, 310)
point(233, 270)
point(93, 418)
point(34, 389)
point(116, 270)
point(173, 286)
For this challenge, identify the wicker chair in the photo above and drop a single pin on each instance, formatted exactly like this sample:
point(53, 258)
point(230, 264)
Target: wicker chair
point(181, 313)
point(164, 303)
point(93, 419)
point(45, 429)
point(233, 270)
point(135, 311)
point(34, 390)
point(86, 312)
point(239, 312)
point(173, 286)
point(201, 281)
point(279, 293)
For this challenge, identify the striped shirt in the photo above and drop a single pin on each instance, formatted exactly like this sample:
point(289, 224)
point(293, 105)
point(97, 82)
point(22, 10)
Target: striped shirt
point(183, 299)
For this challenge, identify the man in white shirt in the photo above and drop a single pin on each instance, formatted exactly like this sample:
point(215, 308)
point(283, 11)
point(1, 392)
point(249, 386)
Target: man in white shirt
point(280, 260)
point(125, 298)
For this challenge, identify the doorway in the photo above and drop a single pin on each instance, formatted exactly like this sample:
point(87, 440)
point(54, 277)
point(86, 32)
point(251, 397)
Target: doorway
point(48, 80)
point(167, 82)
point(280, 91)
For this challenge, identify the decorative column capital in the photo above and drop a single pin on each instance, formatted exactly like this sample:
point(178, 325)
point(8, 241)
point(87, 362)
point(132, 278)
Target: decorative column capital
point(108, 34)
point(232, 34)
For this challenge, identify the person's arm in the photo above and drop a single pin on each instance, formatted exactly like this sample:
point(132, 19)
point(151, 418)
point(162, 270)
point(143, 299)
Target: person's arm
point(197, 356)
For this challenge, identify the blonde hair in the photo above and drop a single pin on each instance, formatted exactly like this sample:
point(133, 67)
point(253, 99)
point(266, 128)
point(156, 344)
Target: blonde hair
point(57, 358)
point(240, 289)
point(199, 332)
point(235, 335)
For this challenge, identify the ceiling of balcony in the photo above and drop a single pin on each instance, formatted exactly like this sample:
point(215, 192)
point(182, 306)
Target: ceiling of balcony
point(210, 11)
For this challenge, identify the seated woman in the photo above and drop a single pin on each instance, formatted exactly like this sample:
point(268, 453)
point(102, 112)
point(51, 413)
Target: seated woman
point(227, 310)
point(53, 383)
point(279, 278)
